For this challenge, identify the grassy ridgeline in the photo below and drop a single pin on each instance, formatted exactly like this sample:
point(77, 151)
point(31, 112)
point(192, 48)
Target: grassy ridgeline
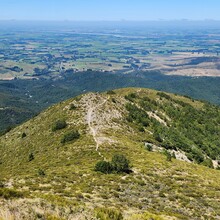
point(63, 175)
point(22, 99)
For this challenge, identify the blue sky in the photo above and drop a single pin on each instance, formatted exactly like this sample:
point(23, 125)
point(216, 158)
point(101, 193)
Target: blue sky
point(110, 10)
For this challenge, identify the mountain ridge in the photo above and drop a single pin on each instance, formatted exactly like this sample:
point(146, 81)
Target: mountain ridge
point(34, 160)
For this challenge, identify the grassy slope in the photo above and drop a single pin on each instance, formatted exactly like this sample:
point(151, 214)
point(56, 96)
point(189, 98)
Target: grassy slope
point(178, 189)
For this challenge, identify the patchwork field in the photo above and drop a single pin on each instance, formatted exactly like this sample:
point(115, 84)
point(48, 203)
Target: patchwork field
point(37, 54)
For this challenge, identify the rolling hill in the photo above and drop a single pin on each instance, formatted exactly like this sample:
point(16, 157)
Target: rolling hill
point(21, 100)
point(49, 164)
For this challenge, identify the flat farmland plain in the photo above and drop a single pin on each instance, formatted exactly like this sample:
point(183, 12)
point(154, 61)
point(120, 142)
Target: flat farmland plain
point(25, 54)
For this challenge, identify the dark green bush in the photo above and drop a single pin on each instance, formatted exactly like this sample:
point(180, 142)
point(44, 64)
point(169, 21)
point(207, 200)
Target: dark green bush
point(168, 156)
point(149, 147)
point(23, 135)
point(164, 95)
point(208, 163)
point(113, 100)
point(58, 125)
point(41, 172)
point(72, 107)
point(31, 157)
point(70, 136)
point(131, 97)
point(120, 163)
point(158, 137)
point(141, 129)
point(145, 122)
point(104, 167)
point(137, 115)
point(197, 155)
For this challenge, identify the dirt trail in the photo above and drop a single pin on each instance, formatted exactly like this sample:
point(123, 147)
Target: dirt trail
point(94, 129)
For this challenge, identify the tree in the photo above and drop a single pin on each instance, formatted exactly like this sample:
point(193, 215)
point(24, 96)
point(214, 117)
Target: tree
point(120, 163)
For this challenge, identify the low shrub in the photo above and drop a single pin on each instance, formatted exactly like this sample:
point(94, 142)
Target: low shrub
point(31, 157)
point(58, 125)
point(72, 107)
point(108, 214)
point(119, 164)
point(23, 135)
point(149, 147)
point(168, 155)
point(131, 96)
point(208, 163)
point(41, 172)
point(10, 193)
point(104, 167)
point(70, 136)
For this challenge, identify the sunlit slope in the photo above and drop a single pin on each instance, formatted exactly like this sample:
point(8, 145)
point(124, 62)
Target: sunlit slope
point(40, 160)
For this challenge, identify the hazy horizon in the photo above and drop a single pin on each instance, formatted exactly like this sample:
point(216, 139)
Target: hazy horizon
point(99, 10)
